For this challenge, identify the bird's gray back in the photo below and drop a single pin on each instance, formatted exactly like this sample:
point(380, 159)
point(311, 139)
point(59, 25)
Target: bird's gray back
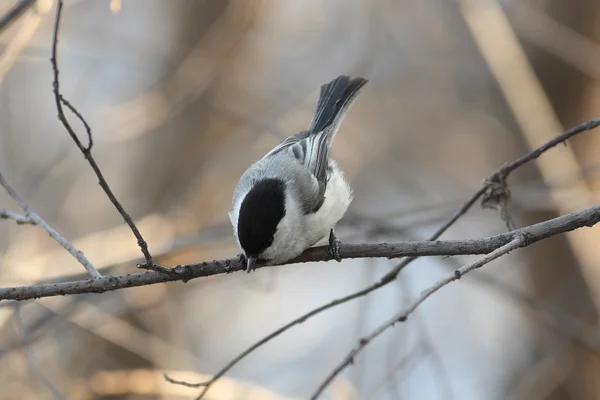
point(283, 166)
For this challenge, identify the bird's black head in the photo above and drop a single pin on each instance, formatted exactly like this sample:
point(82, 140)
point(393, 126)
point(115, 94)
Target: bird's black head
point(260, 213)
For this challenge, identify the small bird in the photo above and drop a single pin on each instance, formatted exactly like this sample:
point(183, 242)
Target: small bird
point(292, 198)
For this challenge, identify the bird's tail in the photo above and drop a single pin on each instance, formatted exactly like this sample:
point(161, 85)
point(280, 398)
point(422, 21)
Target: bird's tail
point(335, 99)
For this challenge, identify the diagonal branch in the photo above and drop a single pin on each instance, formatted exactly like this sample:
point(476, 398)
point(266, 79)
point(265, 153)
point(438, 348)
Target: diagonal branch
point(495, 183)
point(87, 150)
point(31, 217)
point(508, 168)
point(495, 190)
point(519, 240)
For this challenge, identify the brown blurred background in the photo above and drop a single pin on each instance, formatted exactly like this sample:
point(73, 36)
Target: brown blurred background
point(183, 95)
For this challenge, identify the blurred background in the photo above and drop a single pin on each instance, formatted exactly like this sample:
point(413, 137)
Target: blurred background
point(183, 95)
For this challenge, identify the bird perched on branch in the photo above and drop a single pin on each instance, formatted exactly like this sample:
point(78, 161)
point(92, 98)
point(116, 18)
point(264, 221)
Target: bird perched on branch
point(292, 198)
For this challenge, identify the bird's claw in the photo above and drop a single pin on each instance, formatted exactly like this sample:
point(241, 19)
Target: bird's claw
point(244, 261)
point(248, 267)
point(334, 247)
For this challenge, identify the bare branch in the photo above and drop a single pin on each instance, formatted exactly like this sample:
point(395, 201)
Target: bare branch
point(32, 218)
point(186, 272)
point(509, 168)
point(18, 218)
point(495, 182)
point(519, 240)
point(497, 193)
point(498, 176)
point(87, 150)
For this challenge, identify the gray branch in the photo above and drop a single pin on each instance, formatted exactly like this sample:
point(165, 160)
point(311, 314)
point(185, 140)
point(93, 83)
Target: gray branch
point(31, 217)
point(519, 239)
point(18, 218)
point(530, 234)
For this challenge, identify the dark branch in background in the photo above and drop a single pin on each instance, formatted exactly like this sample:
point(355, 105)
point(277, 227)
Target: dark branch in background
point(497, 193)
point(491, 184)
point(519, 240)
point(533, 233)
point(14, 13)
point(87, 150)
point(31, 217)
point(509, 168)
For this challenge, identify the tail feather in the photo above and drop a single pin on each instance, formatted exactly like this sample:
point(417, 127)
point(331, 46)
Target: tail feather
point(335, 99)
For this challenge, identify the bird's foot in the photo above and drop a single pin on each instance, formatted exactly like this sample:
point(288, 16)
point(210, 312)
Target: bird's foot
point(249, 263)
point(334, 247)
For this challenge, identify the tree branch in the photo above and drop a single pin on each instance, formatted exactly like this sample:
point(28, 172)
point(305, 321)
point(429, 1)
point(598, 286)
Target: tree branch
point(18, 218)
point(495, 184)
point(533, 233)
point(521, 239)
point(532, 155)
point(87, 150)
point(496, 193)
point(32, 218)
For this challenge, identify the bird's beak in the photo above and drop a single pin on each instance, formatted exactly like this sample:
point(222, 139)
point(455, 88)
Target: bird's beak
point(250, 261)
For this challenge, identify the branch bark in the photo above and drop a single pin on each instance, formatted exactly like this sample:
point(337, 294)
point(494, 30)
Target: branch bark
point(532, 234)
point(494, 191)
point(31, 217)
point(18, 218)
point(519, 240)
point(87, 150)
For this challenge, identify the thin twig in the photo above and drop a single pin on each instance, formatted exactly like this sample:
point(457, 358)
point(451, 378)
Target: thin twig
point(385, 280)
point(18, 218)
point(498, 178)
point(86, 150)
point(586, 126)
point(503, 172)
point(32, 217)
point(14, 13)
point(87, 127)
point(519, 240)
point(497, 194)
point(32, 366)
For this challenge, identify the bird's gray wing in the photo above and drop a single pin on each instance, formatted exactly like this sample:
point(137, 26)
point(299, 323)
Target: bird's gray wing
point(290, 141)
point(311, 151)
point(311, 148)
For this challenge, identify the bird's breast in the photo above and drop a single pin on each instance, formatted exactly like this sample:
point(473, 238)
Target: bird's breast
point(338, 196)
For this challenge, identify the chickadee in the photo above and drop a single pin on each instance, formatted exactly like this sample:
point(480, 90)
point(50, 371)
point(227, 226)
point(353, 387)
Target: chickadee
point(292, 198)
